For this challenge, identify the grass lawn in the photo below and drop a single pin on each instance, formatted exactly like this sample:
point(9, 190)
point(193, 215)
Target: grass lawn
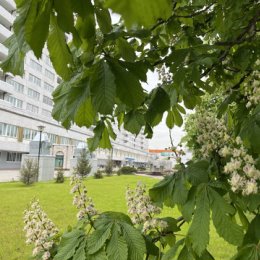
point(55, 199)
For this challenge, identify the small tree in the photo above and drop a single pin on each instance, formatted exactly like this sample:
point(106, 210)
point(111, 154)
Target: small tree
point(60, 176)
point(109, 167)
point(29, 171)
point(83, 167)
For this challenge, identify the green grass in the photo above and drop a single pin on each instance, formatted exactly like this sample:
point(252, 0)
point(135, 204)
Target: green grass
point(107, 193)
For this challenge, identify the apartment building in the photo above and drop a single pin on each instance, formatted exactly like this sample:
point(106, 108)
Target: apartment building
point(26, 103)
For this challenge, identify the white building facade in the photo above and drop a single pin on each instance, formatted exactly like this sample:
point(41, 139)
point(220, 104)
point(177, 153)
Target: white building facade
point(26, 103)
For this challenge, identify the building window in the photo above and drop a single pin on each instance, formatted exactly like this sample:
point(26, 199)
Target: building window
point(29, 134)
point(8, 130)
point(17, 86)
point(47, 100)
point(35, 80)
point(14, 101)
point(14, 157)
point(52, 138)
point(48, 87)
point(35, 65)
point(32, 108)
point(64, 140)
point(59, 159)
point(49, 74)
point(47, 60)
point(46, 112)
point(33, 94)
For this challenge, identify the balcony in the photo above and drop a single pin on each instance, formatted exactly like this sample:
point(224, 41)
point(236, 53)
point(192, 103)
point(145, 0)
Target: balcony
point(4, 33)
point(5, 17)
point(3, 52)
point(8, 5)
point(5, 87)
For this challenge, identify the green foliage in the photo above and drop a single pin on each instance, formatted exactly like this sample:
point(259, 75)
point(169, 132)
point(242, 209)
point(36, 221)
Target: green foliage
point(83, 166)
point(60, 176)
point(109, 167)
point(29, 172)
point(127, 170)
point(207, 55)
point(98, 174)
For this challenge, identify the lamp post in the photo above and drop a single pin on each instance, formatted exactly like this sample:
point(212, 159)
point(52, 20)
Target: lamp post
point(40, 129)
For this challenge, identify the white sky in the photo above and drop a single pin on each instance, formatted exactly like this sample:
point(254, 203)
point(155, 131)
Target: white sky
point(161, 138)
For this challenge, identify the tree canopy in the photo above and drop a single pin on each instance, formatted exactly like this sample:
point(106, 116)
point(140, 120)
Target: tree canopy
point(207, 55)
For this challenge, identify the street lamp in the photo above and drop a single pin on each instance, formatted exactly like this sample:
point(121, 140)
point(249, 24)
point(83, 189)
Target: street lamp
point(40, 129)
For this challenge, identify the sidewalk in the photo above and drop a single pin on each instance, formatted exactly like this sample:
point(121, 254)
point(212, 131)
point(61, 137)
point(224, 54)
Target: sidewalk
point(9, 175)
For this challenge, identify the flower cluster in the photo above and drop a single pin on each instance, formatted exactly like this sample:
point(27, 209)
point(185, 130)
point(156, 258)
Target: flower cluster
point(252, 90)
point(242, 168)
point(142, 210)
point(211, 134)
point(39, 230)
point(81, 200)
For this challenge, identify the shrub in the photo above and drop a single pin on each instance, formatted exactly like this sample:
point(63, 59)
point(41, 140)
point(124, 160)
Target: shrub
point(141, 168)
point(60, 176)
point(127, 170)
point(29, 172)
point(98, 175)
point(109, 167)
point(83, 167)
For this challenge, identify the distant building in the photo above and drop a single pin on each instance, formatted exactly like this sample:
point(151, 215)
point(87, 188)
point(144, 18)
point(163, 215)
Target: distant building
point(26, 103)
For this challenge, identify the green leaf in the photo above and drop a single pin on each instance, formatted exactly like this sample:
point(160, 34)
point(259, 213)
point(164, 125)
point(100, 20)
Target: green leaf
point(69, 242)
point(147, 13)
point(126, 50)
point(199, 229)
point(117, 246)
point(177, 117)
point(80, 253)
point(98, 239)
point(253, 232)
point(170, 119)
point(134, 121)
point(14, 62)
point(162, 191)
point(129, 89)
point(185, 254)
point(85, 115)
point(169, 255)
point(221, 212)
point(250, 130)
point(135, 242)
point(151, 248)
point(248, 252)
point(37, 25)
point(60, 54)
point(103, 19)
point(160, 102)
point(138, 68)
point(103, 88)
point(105, 140)
point(180, 191)
point(188, 208)
point(197, 172)
point(65, 17)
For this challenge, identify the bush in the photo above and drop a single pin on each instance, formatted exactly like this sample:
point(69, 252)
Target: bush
point(83, 167)
point(109, 167)
point(98, 175)
point(127, 170)
point(60, 176)
point(141, 168)
point(29, 172)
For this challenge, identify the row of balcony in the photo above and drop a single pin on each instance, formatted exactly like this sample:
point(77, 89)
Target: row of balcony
point(8, 5)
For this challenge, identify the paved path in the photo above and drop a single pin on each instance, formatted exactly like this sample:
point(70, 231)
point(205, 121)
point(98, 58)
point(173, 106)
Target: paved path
point(151, 176)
